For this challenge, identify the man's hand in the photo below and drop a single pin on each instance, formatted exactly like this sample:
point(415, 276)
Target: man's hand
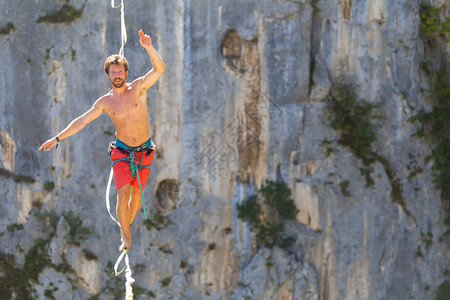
point(145, 39)
point(153, 75)
point(49, 144)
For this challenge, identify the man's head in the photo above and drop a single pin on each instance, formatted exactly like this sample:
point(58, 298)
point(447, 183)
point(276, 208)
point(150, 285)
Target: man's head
point(116, 68)
point(115, 60)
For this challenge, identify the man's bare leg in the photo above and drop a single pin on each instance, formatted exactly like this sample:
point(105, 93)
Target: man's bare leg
point(123, 214)
point(135, 203)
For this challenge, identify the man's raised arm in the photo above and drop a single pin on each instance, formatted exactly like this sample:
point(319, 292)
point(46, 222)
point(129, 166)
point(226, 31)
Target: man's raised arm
point(158, 65)
point(76, 125)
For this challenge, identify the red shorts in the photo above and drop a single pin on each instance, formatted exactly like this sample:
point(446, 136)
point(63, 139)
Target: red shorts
point(122, 171)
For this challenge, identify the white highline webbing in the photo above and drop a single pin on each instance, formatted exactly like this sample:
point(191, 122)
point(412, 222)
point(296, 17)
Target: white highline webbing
point(127, 268)
point(129, 279)
point(123, 29)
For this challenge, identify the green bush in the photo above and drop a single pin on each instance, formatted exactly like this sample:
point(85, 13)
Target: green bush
point(250, 211)
point(432, 24)
point(314, 6)
point(443, 292)
point(344, 188)
point(166, 281)
point(49, 186)
point(77, 231)
point(7, 29)
point(14, 227)
point(157, 221)
point(353, 118)
point(434, 126)
point(269, 226)
point(276, 194)
point(65, 14)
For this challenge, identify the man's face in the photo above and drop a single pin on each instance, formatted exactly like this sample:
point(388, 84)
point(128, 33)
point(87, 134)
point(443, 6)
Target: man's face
point(117, 75)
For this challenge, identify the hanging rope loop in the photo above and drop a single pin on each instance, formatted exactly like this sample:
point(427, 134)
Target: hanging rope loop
point(129, 279)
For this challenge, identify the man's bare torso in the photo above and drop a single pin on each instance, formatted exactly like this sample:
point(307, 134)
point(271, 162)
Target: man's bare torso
point(128, 112)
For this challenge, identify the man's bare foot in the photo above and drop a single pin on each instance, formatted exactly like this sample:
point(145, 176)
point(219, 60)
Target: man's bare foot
point(126, 243)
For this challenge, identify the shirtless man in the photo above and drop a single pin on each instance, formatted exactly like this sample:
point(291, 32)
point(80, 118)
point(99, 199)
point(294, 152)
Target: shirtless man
point(126, 105)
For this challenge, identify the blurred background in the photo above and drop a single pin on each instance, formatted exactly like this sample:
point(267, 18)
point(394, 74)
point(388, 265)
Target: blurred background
point(303, 150)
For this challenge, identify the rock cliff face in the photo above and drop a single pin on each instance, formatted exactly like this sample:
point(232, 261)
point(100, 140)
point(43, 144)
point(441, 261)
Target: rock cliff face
point(244, 99)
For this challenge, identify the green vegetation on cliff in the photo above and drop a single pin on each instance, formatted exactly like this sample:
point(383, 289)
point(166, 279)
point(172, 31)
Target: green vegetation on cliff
point(354, 119)
point(16, 177)
point(7, 28)
point(65, 14)
point(267, 221)
point(18, 281)
point(432, 24)
point(434, 124)
point(435, 127)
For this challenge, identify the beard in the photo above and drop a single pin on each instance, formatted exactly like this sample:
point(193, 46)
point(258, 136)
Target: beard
point(118, 83)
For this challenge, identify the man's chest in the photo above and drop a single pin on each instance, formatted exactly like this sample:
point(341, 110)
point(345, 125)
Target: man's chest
point(125, 106)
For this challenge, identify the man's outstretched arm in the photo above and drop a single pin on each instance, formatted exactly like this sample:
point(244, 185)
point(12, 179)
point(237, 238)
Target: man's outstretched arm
point(76, 125)
point(158, 65)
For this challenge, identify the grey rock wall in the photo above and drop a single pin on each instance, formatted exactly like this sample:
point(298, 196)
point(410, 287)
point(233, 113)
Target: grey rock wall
point(243, 100)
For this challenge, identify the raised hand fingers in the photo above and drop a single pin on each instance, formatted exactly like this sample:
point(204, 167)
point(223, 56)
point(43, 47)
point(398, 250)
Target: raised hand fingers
point(145, 39)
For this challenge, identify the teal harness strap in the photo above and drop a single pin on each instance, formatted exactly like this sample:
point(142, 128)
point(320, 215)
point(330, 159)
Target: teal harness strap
point(134, 168)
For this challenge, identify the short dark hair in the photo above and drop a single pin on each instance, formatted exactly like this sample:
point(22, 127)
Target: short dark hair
point(115, 60)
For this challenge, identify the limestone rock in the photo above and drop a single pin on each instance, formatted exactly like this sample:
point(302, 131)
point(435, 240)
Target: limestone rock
point(7, 151)
point(58, 245)
point(274, 274)
point(86, 268)
point(54, 283)
point(237, 105)
point(321, 84)
point(307, 201)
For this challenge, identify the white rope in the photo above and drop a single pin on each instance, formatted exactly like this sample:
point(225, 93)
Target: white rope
point(127, 268)
point(129, 279)
point(108, 187)
point(123, 29)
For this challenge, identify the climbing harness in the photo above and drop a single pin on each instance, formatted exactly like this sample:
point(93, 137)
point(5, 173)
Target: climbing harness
point(135, 167)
